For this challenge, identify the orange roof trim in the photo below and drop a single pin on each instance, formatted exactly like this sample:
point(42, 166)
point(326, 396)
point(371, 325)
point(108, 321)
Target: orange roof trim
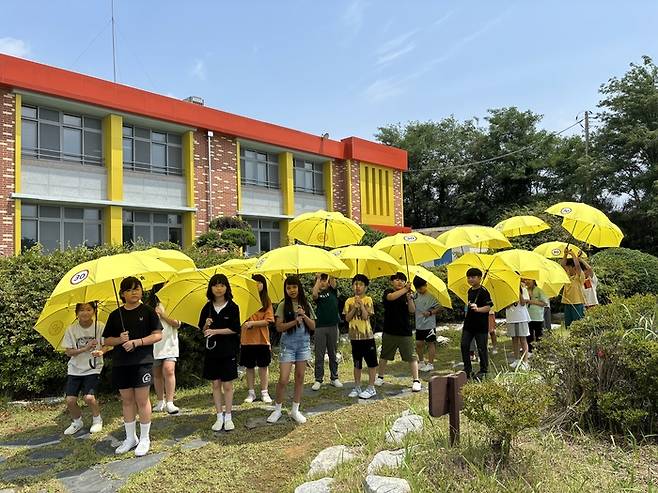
point(31, 76)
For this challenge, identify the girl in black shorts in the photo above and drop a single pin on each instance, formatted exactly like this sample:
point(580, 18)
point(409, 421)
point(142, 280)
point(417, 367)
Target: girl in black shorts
point(133, 329)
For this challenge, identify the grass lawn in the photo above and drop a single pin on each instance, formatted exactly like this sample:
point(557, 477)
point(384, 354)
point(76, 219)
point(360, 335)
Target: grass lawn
point(276, 458)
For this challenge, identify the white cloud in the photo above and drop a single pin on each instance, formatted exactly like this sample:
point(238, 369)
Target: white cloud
point(14, 47)
point(353, 16)
point(393, 55)
point(383, 89)
point(396, 47)
point(199, 69)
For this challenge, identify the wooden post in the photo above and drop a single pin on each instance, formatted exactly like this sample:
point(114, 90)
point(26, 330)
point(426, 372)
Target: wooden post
point(445, 398)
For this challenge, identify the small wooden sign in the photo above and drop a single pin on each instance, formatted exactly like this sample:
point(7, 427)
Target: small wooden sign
point(445, 398)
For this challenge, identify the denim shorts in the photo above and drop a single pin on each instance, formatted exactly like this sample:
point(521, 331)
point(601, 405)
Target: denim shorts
point(295, 346)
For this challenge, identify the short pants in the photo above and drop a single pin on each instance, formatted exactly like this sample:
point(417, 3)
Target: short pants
point(364, 349)
point(85, 383)
point(132, 376)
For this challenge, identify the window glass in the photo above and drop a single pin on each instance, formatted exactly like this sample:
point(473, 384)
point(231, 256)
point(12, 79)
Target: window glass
point(174, 139)
point(73, 234)
point(92, 214)
point(50, 115)
point(93, 150)
point(92, 234)
point(160, 233)
point(142, 217)
point(72, 139)
point(142, 152)
point(71, 213)
point(127, 131)
point(92, 123)
point(49, 211)
point(28, 112)
point(158, 157)
point(128, 234)
point(265, 241)
point(142, 133)
point(158, 137)
point(72, 120)
point(28, 210)
point(49, 235)
point(28, 134)
point(28, 233)
point(176, 235)
point(175, 219)
point(127, 150)
point(160, 218)
point(175, 158)
point(142, 233)
point(49, 135)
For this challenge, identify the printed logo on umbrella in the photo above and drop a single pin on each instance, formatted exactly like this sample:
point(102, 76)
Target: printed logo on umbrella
point(566, 210)
point(410, 238)
point(321, 237)
point(556, 251)
point(55, 327)
point(78, 277)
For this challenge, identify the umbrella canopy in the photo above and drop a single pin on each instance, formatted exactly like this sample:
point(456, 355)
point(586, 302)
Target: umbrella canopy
point(239, 265)
point(601, 234)
point(55, 318)
point(435, 286)
point(185, 294)
point(474, 236)
point(553, 279)
point(577, 210)
point(521, 225)
point(367, 261)
point(411, 248)
point(549, 275)
point(298, 259)
point(325, 229)
point(174, 258)
point(556, 249)
point(500, 280)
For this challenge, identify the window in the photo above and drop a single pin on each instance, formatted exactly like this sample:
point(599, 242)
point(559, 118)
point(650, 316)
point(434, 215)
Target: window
point(259, 168)
point(309, 177)
point(152, 151)
point(59, 227)
point(52, 134)
point(267, 233)
point(152, 227)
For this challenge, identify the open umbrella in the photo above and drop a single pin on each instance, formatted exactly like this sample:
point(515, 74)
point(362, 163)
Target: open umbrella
point(411, 248)
point(55, 318)
point(174, 258)
point(521, 225)
point(556, 249)
point(435, 286)
point(239, 265)
point(367, 261)
point(325, 229)
point(474, 236)
point(549, 275)
point(587, 224)
point(500, 280)
point(298, 259)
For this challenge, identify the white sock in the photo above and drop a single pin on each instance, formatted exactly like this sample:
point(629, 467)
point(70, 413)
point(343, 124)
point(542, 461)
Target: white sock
point(277, 406)
point(227, 416)
point(144, 429)
point(251, 392)
point(96, 419)
point(130, 429)
point(264, 391)
point(220, 415)
point(161, 402)
point(295, 407)
point(78, 420)
point(168, 402)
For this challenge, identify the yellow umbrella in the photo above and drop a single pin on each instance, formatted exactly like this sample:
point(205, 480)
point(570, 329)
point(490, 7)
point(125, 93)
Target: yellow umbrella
point(521, 225)
point(474, 236)
point(244, 265)
point(99, 279)
point(325, 229)
point(185, 294)
point(367, 261)
point(500, 280)
point(435, 286)
point(576, 210)
point(274, 285)
point(600, 233)
point(549, 275)
point(298, 259)
point(56, 318)
point(555, 249)
point(553, 279)
point(239, 265)
point(411, 248)
point(174, 258)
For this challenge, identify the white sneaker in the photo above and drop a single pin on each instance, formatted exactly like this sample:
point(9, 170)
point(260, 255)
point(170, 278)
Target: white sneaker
point(265, 397)
point(368, 393)
point(274, 417)
point(429, 367)
point(159, 407)
point(299, 417)
point(127, 445)
point(228, 425)
point(142, 448)
point(514, 363)
point(355, 392)
point(494, 351)
point(316, 385)
point(74, 427)
point(219, 424)
point(379, 381)
point(96, 426)
point(251, 397)
point(416, 386)
point(337, 383)
point(524, 366)
point(171, 409)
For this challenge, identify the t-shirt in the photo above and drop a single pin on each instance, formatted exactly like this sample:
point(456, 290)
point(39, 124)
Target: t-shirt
point(476, 321)
point(140, 322)
point(537, 312)
point(77, 337)
point(517, 312)
point(396, 315)
point(424, 303)
point(228, 317)
point(572, 294)
point(589, 293)
point(258, 335)
point(327, 307)
point(167, 347)
point(359, 327)
point(289, 317)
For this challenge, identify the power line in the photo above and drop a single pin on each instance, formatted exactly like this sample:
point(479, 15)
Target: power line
point(103, 29)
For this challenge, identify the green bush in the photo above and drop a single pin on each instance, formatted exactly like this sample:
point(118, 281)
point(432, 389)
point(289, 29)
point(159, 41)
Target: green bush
point(506, 405)
point(239, 237)
point(371, 237)
point(605, 371)
point(625, 272)
point(229, 222)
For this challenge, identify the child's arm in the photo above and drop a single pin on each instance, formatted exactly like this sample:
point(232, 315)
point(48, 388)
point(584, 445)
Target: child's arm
point(282, 326)
point(84, 349)
point(410, 303)
point(315, 292)
point(394, 295)
point(163, 316)
point(589, 272)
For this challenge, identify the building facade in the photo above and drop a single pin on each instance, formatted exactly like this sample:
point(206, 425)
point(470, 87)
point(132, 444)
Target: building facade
point(87, 161)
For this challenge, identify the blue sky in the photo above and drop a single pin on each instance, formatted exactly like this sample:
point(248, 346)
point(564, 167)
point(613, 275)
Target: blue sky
point(347, 66)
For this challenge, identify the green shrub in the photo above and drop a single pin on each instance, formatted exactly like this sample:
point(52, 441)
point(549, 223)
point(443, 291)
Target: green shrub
point(372, 236)
point(605, 372)
point(506, 405)
point(625, 272)
point(229, 222)
point(239, 237)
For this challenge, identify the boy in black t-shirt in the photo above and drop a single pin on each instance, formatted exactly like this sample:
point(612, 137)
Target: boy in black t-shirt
point(476, 324)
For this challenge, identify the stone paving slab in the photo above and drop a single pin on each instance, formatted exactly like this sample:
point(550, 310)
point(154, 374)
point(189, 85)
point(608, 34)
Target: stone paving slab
point(33, 442)
point(49, 453)
point(126, 467)
point(21, 473)
point(195, 444)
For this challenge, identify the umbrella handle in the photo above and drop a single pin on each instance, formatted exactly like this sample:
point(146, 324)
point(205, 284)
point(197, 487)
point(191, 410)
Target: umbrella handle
point(208, 346)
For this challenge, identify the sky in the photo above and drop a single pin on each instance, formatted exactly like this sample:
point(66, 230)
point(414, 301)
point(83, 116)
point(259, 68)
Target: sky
point(347, 67)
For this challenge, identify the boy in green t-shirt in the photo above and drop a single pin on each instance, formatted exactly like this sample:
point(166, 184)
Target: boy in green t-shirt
point(325, 296)
point(358, 310)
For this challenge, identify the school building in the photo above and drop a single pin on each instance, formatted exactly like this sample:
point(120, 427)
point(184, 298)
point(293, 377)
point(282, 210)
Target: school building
point(86, 161)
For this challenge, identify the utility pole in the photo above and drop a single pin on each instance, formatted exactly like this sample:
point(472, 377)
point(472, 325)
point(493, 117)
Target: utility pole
point(114, 47)
point(586, 134)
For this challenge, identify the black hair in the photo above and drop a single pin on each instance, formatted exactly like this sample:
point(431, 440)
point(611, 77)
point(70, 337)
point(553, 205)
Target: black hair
point(214, 281)
point(570, 263)
point(361, 277)
point(419, 282)
point(399, 275)
point(287, 301)
point(264, 297)
point(92, 304)
point(324, 277)
point(127, 284)
point(152, 299)
point(473, 272)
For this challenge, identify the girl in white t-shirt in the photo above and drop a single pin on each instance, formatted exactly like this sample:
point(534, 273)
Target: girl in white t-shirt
point(517, 318)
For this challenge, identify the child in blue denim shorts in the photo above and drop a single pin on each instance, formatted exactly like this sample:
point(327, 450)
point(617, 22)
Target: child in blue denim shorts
point(295, 318)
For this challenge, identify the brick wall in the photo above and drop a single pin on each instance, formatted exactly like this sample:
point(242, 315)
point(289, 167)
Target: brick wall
point(356, 190)
point(339, 171)
point(398, 206)
point(7, 176)
point(223, 193)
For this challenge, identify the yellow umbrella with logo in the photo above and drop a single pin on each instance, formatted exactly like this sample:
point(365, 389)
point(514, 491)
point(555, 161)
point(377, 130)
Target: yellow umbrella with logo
point(298, 259)
point(174, 258)
point(366, 260)
point(587, 224)
point(239, 265)
point(185, 294)
point(556, 249)
point(411, 248)
point(521, 225)
point(325, 229)
point(435, 286)
point(553, 279)
point(549, 275)
point(474, 236)
point(498, 278)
